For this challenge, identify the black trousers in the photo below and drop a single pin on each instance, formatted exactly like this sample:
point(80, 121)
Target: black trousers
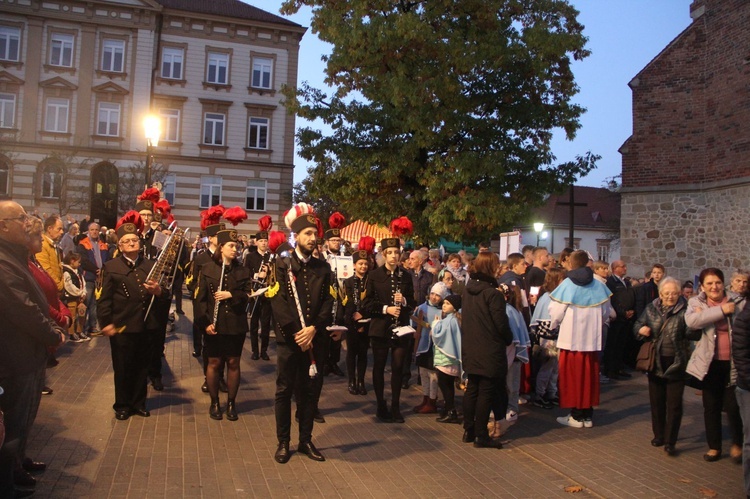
point(260, 319)
point(717, 397)
point(293, 378)
point(447, 385)
point(356, 355)
point(131, 353)
point(478, 401)
point(665, 396)
point(614, 350)
point(197, 334)
point(154, 366)
point(334, 352)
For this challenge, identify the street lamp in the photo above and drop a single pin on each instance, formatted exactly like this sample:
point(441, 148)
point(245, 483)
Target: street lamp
point(538, 228)
point(152, 127)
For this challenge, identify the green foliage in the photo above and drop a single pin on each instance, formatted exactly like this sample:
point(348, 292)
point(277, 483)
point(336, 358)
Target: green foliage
point(442, 110)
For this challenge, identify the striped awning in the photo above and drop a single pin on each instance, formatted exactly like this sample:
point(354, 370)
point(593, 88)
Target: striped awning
point(355, 230)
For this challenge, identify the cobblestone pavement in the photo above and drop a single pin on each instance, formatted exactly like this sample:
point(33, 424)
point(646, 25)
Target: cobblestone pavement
point(180, 452)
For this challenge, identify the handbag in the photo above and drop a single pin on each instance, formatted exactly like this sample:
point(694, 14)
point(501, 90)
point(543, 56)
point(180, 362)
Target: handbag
point(646, 358)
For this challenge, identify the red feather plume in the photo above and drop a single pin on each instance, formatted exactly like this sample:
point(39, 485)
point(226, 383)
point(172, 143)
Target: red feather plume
point(152, 194)
point(265, 223)
point(336, 221)
point(170, 219)
point(276, 239)
point(401, 226)
point(211, 216)
point(320, 228)
point(163, 207)
point(235, 215)
point(366, 243)
point(132, 217)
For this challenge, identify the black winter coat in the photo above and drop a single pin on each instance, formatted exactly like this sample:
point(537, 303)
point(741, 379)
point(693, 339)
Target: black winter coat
point(741, 348)
point(672, 326)
point(485, 331)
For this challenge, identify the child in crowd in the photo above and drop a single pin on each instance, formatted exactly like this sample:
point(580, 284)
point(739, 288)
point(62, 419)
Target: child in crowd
point(74, 294)
point(426, 313)
point(518, 351)
point(446, 337)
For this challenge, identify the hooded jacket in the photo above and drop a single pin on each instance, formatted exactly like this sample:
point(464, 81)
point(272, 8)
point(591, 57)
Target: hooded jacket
point(485, 330)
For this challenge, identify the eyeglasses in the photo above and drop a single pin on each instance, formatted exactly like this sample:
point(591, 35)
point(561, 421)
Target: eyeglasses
point(21, 218)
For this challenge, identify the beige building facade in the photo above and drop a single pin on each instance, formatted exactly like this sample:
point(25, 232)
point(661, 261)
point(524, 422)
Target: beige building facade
point(78, 78)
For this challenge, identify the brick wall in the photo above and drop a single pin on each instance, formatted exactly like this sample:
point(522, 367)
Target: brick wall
point(691, 104)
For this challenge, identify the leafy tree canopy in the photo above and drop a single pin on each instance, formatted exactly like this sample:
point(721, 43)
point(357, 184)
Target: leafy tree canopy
point(441, 110)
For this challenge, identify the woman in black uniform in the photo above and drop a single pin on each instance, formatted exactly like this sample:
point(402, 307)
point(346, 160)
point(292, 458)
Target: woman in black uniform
point(222, 300)
point(355, 320)
point(389, 301)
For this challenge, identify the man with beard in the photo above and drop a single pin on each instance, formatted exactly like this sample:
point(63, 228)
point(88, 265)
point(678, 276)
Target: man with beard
point(302, 308)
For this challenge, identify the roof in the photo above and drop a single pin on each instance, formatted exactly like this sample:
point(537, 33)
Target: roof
point(601, 210)
point(227, 8)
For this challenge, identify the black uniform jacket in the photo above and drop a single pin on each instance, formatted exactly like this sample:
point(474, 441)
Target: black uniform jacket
point(254, 261)
point(232, 317)
point(123, 300)
point(315, 298)
point(381, 286)
point(192, 276)
point(355, 292)
point(623, 297)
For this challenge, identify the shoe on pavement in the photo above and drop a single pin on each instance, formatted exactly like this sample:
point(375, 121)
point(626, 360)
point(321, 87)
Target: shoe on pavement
point(47, 390)
point(543, 403)
point(511, 416)
point(588, 423)
point(264, 356)
point(74, 338)
point(603, 379)
point(84, 336)
point(570, 421)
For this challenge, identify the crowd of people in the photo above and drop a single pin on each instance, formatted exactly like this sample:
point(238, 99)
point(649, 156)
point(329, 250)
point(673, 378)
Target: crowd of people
point(534, 328)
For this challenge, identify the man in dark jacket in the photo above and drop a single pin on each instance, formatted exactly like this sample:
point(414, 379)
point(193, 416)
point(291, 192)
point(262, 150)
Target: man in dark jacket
point(741, 357)
point(302, 309)
point(94, 253)
point(620, 331)
point(25, 334)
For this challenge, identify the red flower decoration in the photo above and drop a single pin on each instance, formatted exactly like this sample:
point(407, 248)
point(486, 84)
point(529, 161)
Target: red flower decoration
point(336, 221)
point(401, 226)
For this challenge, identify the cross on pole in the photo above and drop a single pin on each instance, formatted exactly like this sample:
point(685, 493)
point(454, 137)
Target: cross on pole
point(571, 219)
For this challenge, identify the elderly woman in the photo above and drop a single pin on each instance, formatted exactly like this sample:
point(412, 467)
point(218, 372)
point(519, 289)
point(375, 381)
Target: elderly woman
point(663, 323)
point(738, 283)
point(712, 312)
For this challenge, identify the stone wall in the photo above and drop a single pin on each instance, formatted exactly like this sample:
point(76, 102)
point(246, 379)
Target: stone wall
point(686, 230)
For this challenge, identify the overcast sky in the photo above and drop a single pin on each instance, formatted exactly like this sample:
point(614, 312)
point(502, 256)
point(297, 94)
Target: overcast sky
point(624, 35)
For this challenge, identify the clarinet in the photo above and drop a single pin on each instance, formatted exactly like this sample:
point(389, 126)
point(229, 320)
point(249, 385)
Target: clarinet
point(398, 291)
point(217, 303)
point(257, 284)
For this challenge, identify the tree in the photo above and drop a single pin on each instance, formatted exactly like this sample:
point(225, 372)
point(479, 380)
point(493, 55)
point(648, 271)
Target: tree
point(132, 183)
point(441, 110)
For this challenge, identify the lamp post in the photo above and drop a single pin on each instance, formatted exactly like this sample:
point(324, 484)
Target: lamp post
point(151, 125)
point(538, 228)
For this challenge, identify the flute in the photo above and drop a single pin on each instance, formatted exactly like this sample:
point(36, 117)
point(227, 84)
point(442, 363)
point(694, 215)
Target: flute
point(217, 302)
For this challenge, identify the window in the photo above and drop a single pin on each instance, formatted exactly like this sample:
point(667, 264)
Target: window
point(210, 191)
point(52, 178)
point(61, 50)
point(109, 119)
point(602, 249)
point(213, 129)
point(4, 178)
point(113, 55)
point(168, 187)
point(10, 43)
point(7, 110)
point(218, 65)
point(257, 136)
point(262, 72)
point(256, 195)
point(57, 115)
point(170, 125)
point(171, 63)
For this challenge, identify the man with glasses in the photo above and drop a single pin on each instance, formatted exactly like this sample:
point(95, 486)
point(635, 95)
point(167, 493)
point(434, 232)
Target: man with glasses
point(94, 253)
point(26, 332)
point(124, 299)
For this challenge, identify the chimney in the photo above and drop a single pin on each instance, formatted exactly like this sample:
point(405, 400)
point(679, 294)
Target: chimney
point(697, 9)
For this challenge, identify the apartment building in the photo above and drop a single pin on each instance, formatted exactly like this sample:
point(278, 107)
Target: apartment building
point(78, 78)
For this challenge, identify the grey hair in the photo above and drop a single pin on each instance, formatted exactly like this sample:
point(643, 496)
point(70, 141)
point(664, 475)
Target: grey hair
point(669, 280)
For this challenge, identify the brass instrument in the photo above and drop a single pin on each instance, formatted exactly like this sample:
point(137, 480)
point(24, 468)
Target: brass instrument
point(165, 268)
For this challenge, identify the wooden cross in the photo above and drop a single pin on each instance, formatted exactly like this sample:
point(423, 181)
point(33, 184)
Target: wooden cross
point(571, 221)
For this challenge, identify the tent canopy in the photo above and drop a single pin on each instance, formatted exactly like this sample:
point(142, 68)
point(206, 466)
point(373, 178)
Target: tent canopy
point(354, 231)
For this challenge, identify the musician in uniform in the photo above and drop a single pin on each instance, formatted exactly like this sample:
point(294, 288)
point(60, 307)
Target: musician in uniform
point(146, 208)
point(221, 313)
point(302, 309)
point(124, 296)
point(389, 301)
point(257, 262)
point(336, 222)
point(210, 224)
point(355, 319)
